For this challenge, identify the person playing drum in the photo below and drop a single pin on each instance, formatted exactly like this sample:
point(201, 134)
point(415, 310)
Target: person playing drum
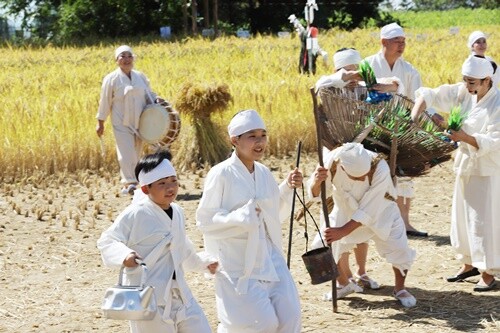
point(124, 94)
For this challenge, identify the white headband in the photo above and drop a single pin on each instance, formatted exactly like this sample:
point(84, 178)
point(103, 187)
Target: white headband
point(390, 31)
point(121, 49)
point(477, 68)
point(245, 121)
point(355, 159)
point(163, 170)
point(474, 36)
point(346, 58)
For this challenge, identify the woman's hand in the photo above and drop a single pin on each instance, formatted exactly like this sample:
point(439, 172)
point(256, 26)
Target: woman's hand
point(460, 135)
point(130, 260)
point(294, 179)
point(100, 128)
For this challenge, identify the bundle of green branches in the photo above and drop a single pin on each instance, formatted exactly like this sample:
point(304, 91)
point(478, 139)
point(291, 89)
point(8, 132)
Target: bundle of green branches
point(456, 118)
point(203, 141)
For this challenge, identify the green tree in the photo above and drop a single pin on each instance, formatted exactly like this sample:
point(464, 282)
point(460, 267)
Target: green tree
point(452, 4)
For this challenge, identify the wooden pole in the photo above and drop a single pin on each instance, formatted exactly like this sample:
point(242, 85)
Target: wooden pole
point(289, 253)
point(317, 119)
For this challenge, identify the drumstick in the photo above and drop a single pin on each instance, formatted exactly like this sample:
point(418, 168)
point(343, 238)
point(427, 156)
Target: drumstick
point(103, 147)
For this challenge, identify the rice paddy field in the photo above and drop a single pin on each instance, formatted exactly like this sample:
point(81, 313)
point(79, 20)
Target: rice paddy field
point(50, 94)
point(60, 186)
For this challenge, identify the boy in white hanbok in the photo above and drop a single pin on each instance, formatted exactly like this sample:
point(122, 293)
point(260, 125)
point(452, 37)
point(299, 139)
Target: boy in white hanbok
point(475, 225)
point(240, 214)
point(361, 186)
point(157, 220)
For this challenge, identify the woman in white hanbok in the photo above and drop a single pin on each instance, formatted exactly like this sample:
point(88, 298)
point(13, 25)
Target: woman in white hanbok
point(124, 94)
point(475, 224)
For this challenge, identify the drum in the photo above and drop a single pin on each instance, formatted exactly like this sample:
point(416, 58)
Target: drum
point(159, 124)
point(346, 116)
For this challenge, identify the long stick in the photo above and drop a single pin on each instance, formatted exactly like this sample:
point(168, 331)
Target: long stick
point(289, 253)
point(323, 194)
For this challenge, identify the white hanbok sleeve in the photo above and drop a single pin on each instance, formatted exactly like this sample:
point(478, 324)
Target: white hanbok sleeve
point(106, 99)
point(372, 201)
point(112, 242)
point(193, 261)
point(443, 97)
point(489, 140)
point(333, 80)
point(217, 222)
point(391, 80)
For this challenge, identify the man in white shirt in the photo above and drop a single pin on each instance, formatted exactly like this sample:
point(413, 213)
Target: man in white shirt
point(389, 62)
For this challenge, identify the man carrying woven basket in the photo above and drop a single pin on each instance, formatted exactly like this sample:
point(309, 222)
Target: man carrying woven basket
point(360, 183)
point(389, 62)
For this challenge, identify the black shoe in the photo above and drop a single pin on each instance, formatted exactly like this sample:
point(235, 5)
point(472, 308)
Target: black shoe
point(464, 275)
point(416, 233)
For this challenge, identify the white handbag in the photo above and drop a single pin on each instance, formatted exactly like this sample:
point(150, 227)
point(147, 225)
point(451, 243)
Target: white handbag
point(130, 302)
point(134, 302)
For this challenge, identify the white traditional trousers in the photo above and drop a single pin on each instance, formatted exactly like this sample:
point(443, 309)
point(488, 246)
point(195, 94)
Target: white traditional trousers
point(475, 226)
point(267, 307)
point(128, 150)
point(185, 319)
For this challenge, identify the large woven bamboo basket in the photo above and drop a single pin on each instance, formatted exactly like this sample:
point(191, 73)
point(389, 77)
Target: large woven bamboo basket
point(344, 116)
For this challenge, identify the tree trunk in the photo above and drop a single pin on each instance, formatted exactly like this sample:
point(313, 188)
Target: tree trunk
point(215, 16)
point(194, 16)
point(184, 18)
point(206, 14)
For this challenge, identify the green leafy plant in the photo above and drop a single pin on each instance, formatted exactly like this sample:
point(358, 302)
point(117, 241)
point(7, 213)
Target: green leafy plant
point(367, 73)
point(456, 118)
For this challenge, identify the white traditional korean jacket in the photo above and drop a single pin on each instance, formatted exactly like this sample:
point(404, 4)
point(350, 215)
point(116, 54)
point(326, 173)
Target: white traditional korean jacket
point(124, 98)
point(140, 227)
point(402, 69)
point(360, 201)
point(232, 231)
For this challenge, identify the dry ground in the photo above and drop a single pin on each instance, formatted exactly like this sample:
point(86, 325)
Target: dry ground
point(52, 278)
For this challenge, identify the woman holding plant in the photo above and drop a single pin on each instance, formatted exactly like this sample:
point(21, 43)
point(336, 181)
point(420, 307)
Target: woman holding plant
point(475, 224)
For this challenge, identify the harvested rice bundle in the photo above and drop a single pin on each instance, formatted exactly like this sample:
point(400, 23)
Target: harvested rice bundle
point(203, 141)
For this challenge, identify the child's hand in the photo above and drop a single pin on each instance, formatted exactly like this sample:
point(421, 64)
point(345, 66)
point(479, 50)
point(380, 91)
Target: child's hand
point(294, 179)
point(213, 267)
point(130, 260)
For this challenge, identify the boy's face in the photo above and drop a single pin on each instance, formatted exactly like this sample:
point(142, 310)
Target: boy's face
point(163, 191)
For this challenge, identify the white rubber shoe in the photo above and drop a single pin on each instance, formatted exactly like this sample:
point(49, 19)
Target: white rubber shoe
point(343, 291)
point(367, 282)
point(406, 299)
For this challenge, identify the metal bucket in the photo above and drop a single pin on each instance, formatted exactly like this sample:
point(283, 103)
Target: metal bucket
point(319, 264)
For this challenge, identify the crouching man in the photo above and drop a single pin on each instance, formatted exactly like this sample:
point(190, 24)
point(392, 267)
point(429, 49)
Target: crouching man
point(364, 208)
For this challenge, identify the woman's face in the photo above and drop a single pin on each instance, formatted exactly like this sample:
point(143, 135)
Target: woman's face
point(476, 86)
point(479, 47)
point(250, 146)
point(125, 61)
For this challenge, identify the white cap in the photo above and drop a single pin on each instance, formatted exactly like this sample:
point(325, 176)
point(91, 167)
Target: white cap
point(163, 170)
point(390, 31)
point(345, 58)
point(477, 68)
point(245, 121)
point(355, 159)
point(121, 49)
point(474, 36)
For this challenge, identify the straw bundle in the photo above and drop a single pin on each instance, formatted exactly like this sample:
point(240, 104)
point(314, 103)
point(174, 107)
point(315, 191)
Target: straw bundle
point(203, 141)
